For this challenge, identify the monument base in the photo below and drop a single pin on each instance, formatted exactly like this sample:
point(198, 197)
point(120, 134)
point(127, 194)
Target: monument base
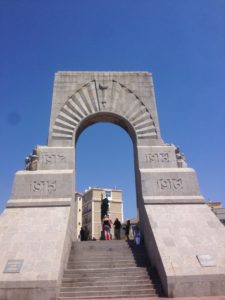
point(48, 292)
point(35, 244)
point(180, 245)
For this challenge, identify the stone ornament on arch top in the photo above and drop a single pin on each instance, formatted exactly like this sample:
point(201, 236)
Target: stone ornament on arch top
point(96, 97)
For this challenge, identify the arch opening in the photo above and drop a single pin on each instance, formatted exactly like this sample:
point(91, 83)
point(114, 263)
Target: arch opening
point(106, 117)
point(105, 161)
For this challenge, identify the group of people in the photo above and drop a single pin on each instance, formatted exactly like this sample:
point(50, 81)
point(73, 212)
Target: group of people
point(107, 224)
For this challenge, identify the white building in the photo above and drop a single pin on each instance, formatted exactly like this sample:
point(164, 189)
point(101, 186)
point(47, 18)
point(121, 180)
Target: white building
point(78, 209)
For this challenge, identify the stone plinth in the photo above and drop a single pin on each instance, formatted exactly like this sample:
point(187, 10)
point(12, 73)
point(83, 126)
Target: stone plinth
point(55, 158)
point(182, 233)
point(156, 157)
point(43, 184)
point(37, 237)
point(170, 186)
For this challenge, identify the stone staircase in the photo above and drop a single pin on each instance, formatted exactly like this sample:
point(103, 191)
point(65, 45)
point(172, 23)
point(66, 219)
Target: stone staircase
point(108, 269)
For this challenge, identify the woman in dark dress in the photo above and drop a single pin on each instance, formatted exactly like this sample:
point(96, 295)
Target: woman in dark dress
point(127, 230)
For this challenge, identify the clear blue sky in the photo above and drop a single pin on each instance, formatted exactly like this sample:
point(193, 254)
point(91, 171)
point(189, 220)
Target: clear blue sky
point(181, 42)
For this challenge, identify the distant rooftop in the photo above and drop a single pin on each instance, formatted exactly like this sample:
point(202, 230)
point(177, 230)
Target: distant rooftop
point(98, 189)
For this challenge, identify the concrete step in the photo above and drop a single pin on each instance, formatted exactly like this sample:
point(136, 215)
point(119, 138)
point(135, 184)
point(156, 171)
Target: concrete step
point(98, 254)
point(144, 296)
point(108, 287)
point(100, 246)
point(111, 243)
point(106, 293)
point(103, 276)
point(91, 278)
point(108, 269)
point(105, 271)
point(98, 282)
point(107, 259)
point(102, 253)
point(103, 266)
point(108, 246)
point(105, 256)
point(104, 246)
point(108, 265)
point(101, 242)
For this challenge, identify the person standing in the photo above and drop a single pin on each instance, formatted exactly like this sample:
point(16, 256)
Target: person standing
point(127, 230)
point(117, 227)
point(82, 234)
point(106, 226)
point(137, 235)
point(86, 233)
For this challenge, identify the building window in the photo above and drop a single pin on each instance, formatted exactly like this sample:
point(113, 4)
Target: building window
point(108, 194)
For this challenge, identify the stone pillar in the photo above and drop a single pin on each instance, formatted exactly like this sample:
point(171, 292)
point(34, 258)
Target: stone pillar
point(179, 229)
point(37, 227)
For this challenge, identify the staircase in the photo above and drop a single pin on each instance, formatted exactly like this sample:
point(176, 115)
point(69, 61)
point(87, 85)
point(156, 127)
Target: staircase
point(108, 269)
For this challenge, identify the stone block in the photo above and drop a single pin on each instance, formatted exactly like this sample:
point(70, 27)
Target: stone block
point(182, 234)
point(55, 158)
point(43, 202)
point(36, 236)
point(109, 93)
point(43, 184)
point(171, 185)
point(156, 157)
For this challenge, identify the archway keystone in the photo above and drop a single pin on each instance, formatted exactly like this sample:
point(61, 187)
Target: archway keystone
point(184, 239)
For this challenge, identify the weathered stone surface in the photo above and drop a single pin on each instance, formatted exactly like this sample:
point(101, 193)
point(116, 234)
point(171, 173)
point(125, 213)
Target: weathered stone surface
point(124, 98)
point(43, 184)
point(156, 157)
point(182, 232)
point(162, 185)
point(55, 158)
point(36, 236)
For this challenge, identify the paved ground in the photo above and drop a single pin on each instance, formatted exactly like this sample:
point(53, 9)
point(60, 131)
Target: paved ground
point(178, 298)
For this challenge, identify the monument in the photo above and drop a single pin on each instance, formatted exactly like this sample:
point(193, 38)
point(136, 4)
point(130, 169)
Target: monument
point(184, 239)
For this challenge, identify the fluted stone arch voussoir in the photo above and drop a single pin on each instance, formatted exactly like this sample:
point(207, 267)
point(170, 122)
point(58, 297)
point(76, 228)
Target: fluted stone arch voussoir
point(95, 98)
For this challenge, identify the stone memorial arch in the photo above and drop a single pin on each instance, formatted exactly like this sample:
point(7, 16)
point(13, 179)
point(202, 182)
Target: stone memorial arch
point(184, 239)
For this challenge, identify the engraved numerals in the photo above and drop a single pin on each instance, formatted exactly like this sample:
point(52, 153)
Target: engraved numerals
point(170, 184)
point(43, 187)
point(157, 157)
point(52, 158)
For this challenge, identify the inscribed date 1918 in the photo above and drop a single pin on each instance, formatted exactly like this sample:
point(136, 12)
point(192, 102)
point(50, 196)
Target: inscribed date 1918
point(157, 157)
